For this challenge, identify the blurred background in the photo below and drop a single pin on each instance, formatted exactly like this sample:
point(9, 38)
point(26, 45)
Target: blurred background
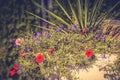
point(14, 21)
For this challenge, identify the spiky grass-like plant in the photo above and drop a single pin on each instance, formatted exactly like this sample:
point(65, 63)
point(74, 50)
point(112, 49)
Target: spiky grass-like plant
point(83, 15)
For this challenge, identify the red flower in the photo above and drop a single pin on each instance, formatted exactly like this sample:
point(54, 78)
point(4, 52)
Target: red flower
point(39, 58)
point(84, 30)
point(89, 53)
point(23, 53)
point(15, 67)
point(12, 72)
point(81, 32)
point(51, 50)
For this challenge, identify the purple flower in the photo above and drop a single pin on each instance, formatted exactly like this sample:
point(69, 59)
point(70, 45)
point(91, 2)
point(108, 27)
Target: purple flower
point(24, 77)
point(64, 28)
point(100, 32)
point(89, 28)
point(19, 67)
point(10, 40)
point(33, 37)
point(15, 45)
point(96, 36)
point(47, 34)
point(73, 28)
point(37, 35)
point(59, 29)
point(28, 49)
point(104, 57)
point(103, 36)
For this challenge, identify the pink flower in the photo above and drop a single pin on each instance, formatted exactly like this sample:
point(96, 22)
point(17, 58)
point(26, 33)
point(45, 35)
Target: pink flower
point(23, 54)
point(84, 30)
point(18, 41)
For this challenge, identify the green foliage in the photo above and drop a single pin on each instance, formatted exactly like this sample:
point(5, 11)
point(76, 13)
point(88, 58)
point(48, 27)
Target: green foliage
point(13, 22)
point(70, 52)
point(70, 46)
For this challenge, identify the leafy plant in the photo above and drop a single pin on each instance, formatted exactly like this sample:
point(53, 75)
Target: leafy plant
point(13, 22)
point(55, 53)
point(64, 45)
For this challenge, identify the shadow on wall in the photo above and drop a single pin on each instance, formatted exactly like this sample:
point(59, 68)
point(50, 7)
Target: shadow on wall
point(112, 76)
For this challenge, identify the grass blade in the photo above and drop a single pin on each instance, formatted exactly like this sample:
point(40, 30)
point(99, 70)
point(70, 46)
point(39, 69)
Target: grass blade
point(52, 14)
point(63, 9)
point(41, 18)
point(80, 13)
point(76, 21)
point(86, 13)
point(107, 13)
point(95, 16)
